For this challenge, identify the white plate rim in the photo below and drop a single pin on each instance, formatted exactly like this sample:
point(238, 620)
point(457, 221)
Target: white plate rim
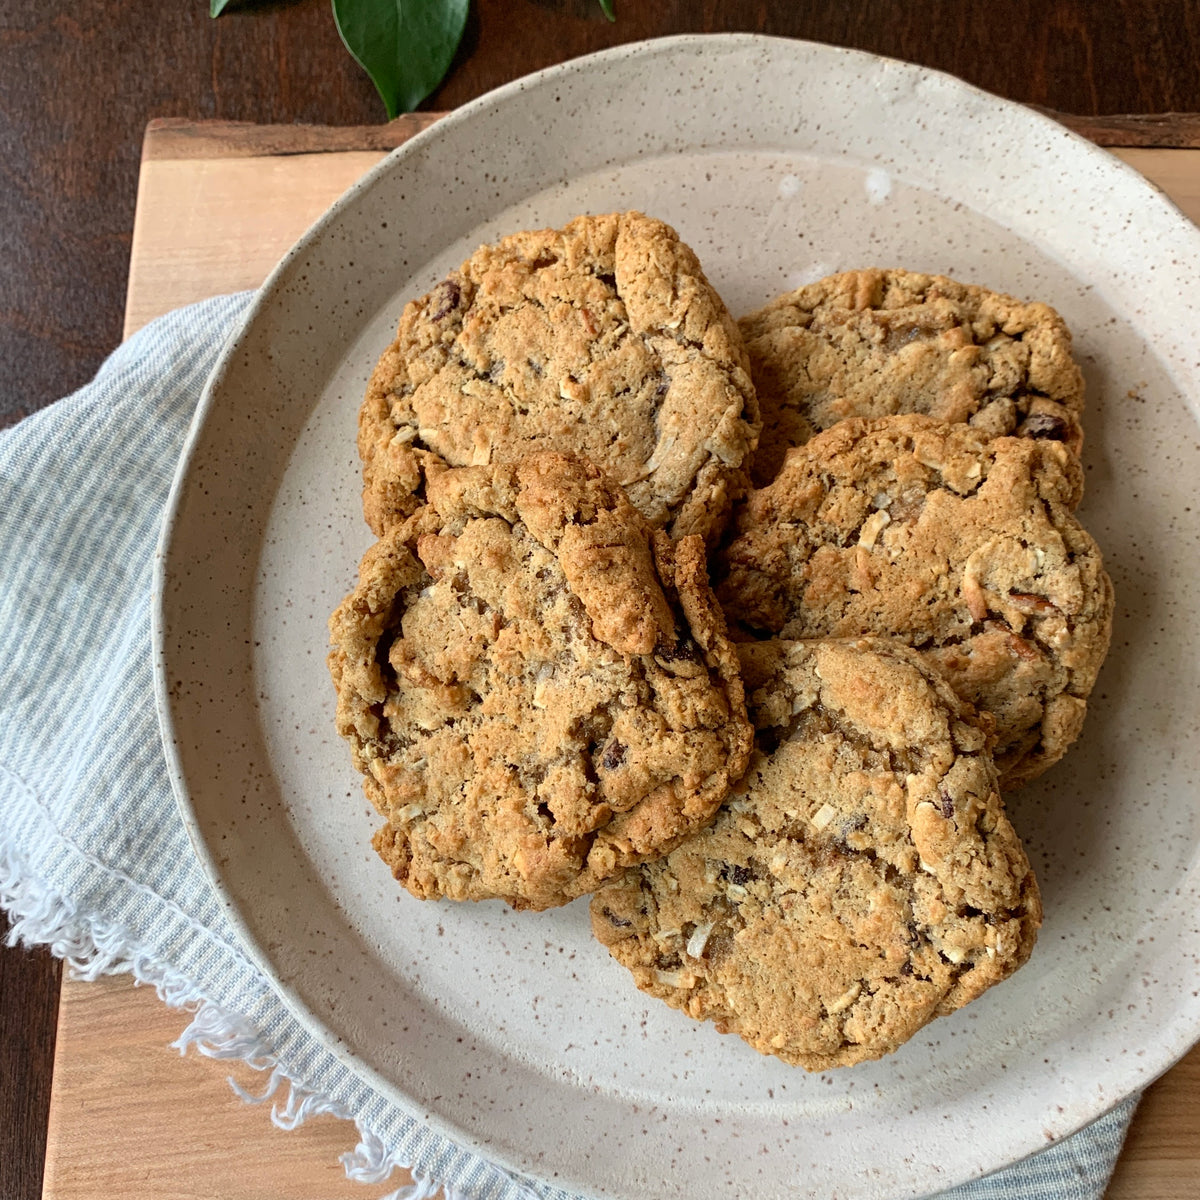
point(1169, 1051)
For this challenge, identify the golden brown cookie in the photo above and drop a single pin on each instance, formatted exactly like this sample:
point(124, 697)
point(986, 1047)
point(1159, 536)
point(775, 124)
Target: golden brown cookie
point(536, 686)
point(877, 343)
point(603, 339)
point(862, 880)
point(962, 547)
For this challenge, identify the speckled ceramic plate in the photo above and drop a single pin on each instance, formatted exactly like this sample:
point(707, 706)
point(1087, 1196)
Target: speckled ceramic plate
point(779, 162)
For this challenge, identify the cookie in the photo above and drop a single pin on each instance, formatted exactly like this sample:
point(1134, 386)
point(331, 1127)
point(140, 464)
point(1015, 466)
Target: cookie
point(536, 687)
point(963, 547)
point(862, 880)
point(603, 339)
point(878, 343)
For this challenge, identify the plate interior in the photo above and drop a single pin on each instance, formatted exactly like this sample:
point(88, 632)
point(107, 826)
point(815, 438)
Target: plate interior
point(497, 1025)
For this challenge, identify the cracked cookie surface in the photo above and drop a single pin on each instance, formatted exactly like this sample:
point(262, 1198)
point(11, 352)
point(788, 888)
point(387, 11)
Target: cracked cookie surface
point(536, 687)
point(876, 343)
point(961, 547)
point(862, 880)
point(602, 339)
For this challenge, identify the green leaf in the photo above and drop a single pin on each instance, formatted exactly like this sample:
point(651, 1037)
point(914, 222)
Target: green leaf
point(607, 5)
point(217, 7)
point(406, 46)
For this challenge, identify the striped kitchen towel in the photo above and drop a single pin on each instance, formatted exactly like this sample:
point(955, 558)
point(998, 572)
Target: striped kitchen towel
point(94, 859)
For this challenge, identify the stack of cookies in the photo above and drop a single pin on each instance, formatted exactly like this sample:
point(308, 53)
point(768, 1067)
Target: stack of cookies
point(785, 796)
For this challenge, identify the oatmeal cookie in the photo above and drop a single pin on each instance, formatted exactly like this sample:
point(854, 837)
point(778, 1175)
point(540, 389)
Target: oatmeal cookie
point(962, 547)
point(862, 880)
point(535, 685)
point(877, 343)
point(603, 339)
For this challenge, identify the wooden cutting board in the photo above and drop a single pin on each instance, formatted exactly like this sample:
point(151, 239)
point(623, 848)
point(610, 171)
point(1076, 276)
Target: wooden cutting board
point(218, 204)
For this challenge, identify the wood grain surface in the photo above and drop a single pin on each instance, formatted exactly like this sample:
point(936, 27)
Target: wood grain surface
point(28, 985)
point(138, 1121)
point(133, 1119)
point(129, 1117)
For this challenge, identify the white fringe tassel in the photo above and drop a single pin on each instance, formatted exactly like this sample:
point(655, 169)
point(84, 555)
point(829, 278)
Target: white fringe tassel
point(92, 947)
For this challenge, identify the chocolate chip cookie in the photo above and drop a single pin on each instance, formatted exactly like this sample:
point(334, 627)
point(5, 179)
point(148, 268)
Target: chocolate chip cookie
point(535, 685)
point(961, 546)
point(602, 339)
point(862, 880)
point(876, 343)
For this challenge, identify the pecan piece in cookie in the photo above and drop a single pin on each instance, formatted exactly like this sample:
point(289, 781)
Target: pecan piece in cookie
point(962, 547)
point(603, 339)
point(862, 880)
point(877, 343)
point(536, 686)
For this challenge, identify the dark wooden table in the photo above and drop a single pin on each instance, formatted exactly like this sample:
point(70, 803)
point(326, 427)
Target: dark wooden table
point(79, 81)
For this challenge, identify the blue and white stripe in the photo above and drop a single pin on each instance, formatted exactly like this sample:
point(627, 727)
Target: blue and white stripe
point(94, 859)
